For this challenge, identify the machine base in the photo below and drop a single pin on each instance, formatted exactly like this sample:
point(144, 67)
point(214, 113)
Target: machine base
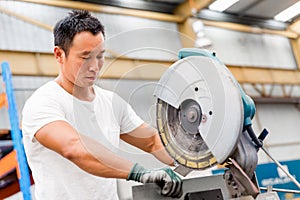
point(203, 188)
point(208, 187)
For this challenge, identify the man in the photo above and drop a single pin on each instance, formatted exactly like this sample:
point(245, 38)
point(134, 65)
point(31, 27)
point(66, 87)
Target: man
point(71, 127)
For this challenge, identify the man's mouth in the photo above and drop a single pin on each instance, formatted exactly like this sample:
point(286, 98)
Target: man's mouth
point(91, 78)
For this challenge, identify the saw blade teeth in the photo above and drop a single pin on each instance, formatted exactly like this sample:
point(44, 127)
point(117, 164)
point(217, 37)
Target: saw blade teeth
point(159, 124)
point(164, 139)
point(181, 160)
point(191, 164)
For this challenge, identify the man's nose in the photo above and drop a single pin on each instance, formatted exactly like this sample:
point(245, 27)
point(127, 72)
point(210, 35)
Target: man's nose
point(94, 65)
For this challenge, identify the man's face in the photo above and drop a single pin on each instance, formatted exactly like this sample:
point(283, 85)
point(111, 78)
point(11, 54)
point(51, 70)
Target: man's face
point(85, 59)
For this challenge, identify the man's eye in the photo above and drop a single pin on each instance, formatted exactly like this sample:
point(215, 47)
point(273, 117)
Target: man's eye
point(99, 57)
point(86, 58)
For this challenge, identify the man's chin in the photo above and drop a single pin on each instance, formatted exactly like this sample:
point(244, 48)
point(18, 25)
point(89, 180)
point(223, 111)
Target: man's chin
point(85, 84)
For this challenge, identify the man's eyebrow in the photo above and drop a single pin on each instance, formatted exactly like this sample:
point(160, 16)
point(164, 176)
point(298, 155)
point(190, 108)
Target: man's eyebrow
point(85, 53)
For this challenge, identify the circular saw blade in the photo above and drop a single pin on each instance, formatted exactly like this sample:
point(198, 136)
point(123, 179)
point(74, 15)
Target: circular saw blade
point(179, 133)
point(199, 91)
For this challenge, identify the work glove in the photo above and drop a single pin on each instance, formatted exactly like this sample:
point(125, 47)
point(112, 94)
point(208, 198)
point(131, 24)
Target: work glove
point(169, 182)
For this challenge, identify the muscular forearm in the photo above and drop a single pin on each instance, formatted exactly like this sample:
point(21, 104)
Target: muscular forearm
point(164, 157)
point(95, 159)
point(85, 152)
point(147, 139)
point(159, 151)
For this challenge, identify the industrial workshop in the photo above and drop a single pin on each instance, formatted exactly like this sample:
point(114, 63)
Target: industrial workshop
point(150, 99)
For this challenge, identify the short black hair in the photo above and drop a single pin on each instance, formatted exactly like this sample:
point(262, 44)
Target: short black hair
point(77, 21)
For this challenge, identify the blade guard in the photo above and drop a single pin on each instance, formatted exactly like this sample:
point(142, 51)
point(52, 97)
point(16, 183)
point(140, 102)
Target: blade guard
point(200, 76)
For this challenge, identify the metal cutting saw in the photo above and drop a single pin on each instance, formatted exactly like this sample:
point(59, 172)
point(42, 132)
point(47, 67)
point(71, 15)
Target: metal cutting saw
point(204, 118)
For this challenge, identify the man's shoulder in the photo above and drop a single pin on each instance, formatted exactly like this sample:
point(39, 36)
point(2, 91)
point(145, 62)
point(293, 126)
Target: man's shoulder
point(48, 91)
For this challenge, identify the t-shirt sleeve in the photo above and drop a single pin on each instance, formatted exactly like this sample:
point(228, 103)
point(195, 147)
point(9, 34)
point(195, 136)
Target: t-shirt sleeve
point(38, 112)
point(128, 119)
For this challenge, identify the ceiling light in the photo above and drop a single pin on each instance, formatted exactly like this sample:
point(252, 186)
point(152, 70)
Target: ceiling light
point(221, 5)
point(288, 13)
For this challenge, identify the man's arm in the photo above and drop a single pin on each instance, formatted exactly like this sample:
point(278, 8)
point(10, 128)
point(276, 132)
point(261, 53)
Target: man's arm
point(95, 159)
point(147, 139)
point(85, 152)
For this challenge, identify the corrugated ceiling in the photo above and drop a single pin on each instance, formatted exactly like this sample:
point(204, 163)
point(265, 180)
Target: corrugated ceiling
point(247, 12)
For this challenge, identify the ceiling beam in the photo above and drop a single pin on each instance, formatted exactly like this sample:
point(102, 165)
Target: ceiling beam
point(249, 29)
point(277, 100)
point(254, 75)
point(296, 50)
point(295, 26)
point(30, 63)
point(187, 34)
point(108, 9)
point(189, 7)
point(44, 64)
point(26, 19)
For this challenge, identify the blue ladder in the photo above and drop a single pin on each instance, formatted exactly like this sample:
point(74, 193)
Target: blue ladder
point(16, 134)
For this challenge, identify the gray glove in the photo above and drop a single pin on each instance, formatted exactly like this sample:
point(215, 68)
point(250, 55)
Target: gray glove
point(169, 182)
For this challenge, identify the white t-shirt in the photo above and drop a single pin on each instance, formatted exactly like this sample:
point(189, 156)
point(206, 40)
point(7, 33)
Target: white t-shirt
point(103, 119)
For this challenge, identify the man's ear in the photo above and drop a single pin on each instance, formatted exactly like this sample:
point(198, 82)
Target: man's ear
point(59, 54)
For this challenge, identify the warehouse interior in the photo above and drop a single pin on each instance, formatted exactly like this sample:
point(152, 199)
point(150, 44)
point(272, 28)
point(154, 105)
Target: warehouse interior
point(142, 40)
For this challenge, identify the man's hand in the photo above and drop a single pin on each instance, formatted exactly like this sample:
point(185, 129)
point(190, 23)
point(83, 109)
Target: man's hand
point(170, 183)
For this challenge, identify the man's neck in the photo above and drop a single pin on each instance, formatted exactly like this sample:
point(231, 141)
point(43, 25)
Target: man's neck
point(82, 93)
